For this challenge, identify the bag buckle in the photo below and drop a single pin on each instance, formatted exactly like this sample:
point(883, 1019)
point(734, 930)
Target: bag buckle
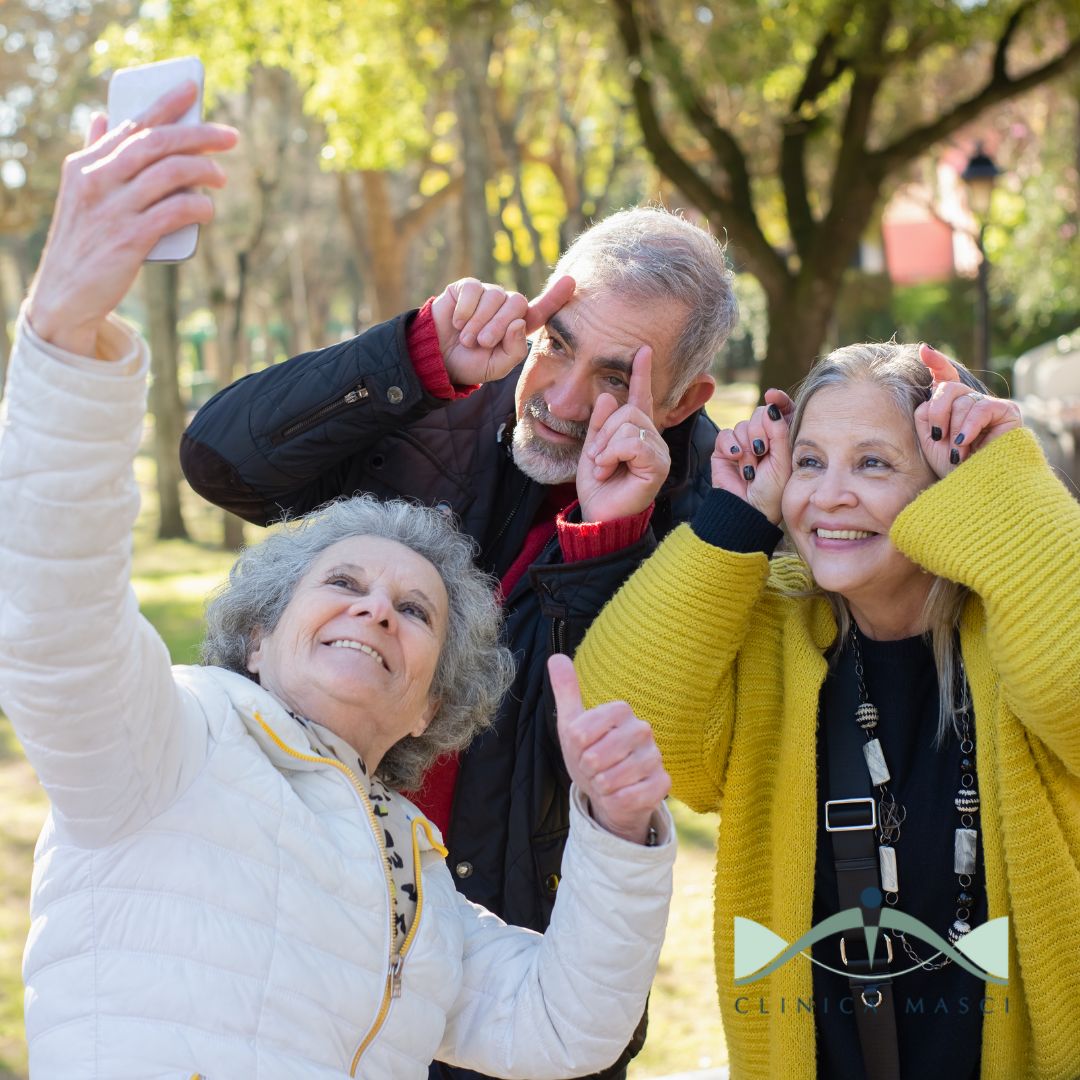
point(888, 951)
point(867, 803)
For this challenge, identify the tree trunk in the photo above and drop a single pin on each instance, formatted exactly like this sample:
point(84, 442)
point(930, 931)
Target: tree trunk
point(798, 328)
point(387, 248)
point(468, 49)
point(161, 284)
point(298, 293)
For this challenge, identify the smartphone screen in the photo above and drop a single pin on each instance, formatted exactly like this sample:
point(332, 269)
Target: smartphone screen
point(131, 91)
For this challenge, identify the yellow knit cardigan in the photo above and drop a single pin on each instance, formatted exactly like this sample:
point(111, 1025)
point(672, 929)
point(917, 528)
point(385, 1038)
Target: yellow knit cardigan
point(705, 645)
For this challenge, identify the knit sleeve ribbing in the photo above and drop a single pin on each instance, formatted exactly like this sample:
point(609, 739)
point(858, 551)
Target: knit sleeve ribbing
point(667, 644)
point(1004, 525)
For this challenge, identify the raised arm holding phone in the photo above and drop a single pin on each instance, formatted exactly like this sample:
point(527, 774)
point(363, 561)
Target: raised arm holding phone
point(230, 883)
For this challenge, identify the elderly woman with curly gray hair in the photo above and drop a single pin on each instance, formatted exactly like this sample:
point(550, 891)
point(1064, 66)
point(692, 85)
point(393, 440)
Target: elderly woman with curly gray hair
point(228, 883)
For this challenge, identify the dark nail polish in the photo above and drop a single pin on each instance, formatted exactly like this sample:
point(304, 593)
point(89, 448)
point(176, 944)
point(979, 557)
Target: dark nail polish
point(935, 434)
point(759, 447)
point(954, 456)
point(748, 472)
point(774, 412)
point(959, 439)
point(736, 450)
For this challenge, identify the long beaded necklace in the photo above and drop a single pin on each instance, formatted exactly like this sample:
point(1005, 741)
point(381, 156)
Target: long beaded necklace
point(891, 814)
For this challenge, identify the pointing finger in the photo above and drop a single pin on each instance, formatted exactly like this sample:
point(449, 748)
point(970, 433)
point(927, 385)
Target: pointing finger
point(640, 394)
point(555, 296)
point(564, 686)
point(939, 364)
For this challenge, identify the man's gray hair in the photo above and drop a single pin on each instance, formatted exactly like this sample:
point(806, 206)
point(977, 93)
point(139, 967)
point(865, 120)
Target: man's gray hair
point(473, 671)
point(650, 253)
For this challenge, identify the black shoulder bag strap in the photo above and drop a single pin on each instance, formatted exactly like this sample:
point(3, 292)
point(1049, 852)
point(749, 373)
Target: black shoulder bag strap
point(850, 820)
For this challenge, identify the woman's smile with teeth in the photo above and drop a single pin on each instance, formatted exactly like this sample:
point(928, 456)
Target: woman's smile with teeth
point(359, 646)
point(842, 534)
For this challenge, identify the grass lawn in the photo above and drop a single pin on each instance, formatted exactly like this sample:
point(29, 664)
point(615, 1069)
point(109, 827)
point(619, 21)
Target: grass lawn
point(172, 579)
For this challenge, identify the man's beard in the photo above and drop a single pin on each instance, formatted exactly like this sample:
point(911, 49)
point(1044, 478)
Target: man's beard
point(547, 463)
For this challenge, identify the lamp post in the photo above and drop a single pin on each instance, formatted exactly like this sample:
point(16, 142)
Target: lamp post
point(979, 176)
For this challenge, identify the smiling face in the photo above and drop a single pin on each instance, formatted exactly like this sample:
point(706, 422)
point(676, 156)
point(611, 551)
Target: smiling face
point(357, 647)
point(855, 466)
point(588, 349)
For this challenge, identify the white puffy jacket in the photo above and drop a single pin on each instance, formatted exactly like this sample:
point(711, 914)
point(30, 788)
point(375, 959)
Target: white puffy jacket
point(208, 897)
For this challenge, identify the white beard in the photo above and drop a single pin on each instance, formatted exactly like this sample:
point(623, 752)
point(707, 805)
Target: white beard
point(541, 461)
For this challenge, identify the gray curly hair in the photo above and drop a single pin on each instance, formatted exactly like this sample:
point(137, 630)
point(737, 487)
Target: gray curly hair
point(650, 253)
point(473, 671)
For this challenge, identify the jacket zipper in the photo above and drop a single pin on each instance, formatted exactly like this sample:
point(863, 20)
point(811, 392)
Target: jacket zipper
point(558, 636)
point(354, 396)
point(392, 989)
point(490, 549)
point(397, 963)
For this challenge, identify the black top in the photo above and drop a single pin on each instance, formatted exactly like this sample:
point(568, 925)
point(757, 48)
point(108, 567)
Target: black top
point(938, 1013)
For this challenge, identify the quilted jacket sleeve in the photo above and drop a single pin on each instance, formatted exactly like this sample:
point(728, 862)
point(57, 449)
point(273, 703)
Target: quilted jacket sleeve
point(84, 678)
point(288, 437)
point(1004, 525)
point(565, 1003)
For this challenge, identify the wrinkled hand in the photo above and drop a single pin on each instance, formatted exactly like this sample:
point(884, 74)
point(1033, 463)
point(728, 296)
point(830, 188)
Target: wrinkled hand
point(753, 459)
point(482, 327)
point(128, 188)
point(610, 754)
point(624, 461)
point(957, 420)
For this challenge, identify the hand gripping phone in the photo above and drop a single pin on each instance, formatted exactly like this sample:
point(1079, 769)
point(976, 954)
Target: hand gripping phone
point(131, 91)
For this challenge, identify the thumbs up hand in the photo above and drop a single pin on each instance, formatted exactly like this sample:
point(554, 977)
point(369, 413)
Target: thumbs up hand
point(611, 755)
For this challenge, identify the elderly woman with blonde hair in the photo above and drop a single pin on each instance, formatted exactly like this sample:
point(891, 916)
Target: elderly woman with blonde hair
point(885, 716)
point(229, 883)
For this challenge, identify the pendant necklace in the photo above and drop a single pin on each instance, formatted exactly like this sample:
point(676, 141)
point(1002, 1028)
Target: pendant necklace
point(891, 814)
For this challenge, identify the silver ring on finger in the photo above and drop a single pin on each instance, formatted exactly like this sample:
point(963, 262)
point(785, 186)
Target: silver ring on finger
point(975, 396)
point(641, 434)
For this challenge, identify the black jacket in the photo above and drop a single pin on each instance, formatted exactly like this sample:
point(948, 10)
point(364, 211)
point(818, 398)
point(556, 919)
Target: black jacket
point(354, 418)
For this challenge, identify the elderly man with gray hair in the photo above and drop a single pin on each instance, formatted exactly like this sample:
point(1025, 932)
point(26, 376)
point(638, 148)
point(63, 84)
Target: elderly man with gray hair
point(566, 435)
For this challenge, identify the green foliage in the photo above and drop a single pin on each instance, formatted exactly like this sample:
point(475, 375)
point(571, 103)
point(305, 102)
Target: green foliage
point(749, 58)
point(1034, 239)
point(365, 69)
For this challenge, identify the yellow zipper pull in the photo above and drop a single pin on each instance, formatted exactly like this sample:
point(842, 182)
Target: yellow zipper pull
point(395, 976)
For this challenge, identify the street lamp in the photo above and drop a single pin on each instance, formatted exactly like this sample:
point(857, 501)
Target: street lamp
point(979, 176)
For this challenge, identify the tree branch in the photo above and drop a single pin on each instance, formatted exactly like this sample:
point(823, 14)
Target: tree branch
point(768, 266)
point(723, 145)
point(1001, 52)
point(416, 217)
point(998, 87)
point(822, 71)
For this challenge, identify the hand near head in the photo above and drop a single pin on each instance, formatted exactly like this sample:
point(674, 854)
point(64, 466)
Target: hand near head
point(482, 327)
point(625, 460)
point(753, 459)
point(128, 188)
point(610, 754)
point(957, 420)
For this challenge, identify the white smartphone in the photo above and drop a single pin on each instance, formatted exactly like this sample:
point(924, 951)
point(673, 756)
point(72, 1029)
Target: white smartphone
point(131, 91)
